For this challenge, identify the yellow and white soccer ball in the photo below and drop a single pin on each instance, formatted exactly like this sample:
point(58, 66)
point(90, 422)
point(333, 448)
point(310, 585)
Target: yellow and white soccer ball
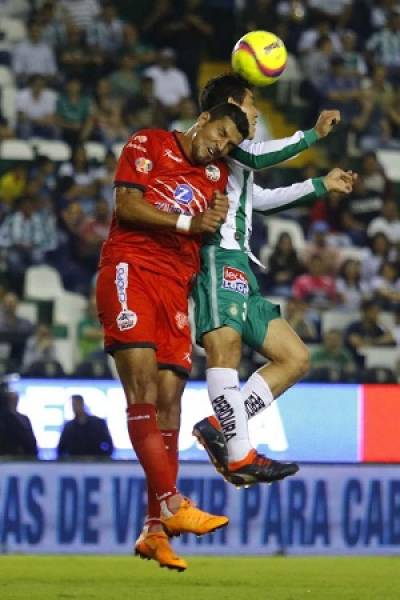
point(260, 57)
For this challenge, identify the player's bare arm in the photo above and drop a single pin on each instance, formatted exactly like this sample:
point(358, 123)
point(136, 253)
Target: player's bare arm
point(133, 210)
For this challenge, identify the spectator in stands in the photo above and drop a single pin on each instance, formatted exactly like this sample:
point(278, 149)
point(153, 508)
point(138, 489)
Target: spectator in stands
point(104, 34)
point(80, 12)
point(108, 127)
point(43, 175)
point(396, 333)
point(327, 9)
point(171, 85)
point(384, 46)
point(367, 332)
point(92, 233)
point(16, 433)
point(12, 186)
point(14, 330)
point(85, 435)
point(296, 315)
point(33, 56)
point(90, 338)
point(317, 287)
point(144, 110)
point(74, 113)
point(319, 245)
point(363, 204)
point(342, 91)
point(186, 117)
point(393, 116)
point(386, 286)
point(317, 70)
point(349, 286)
point(124, 81)
point(283, 267)
point(380, 251)
point(52, 23)
point(36, 110)
point(106, 179)
point(6, 131)
point(373, 176)
point(39, 347)
point(144, 54)
point(333, 354)
point(26, 235)
point(388, 223)
point(309, 37)
point(76, 59)
point(354, 61)
point(83, 179)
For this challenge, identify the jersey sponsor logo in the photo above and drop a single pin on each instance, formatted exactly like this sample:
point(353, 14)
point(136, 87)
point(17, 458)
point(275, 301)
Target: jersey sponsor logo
point(182, 320)
point(235, 281)
point(142, 139)
point(143, 165)
point(126, 319)
point(226, 416)
point(137, 147)
point(172, 156)
point(183, 194)
point(213, 172)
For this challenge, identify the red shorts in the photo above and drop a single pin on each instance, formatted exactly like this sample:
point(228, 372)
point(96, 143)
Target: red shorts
point(141, 309)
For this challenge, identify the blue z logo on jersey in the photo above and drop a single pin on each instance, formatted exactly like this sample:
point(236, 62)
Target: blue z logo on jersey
point(183, 194)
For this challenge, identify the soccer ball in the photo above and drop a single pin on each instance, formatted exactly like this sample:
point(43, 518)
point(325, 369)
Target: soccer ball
point(260, 57)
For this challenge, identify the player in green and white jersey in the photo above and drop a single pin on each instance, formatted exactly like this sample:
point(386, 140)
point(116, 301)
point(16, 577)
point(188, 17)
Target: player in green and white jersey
point(228, 305)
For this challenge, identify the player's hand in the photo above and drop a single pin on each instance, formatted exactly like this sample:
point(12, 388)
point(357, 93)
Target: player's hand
point(340, 181)
point(206, 222)
point(220, 203)
point(326, 122)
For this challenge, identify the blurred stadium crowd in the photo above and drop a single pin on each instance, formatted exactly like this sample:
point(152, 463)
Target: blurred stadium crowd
point(77, 77)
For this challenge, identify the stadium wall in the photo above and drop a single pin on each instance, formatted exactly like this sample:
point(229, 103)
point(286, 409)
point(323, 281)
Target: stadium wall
point(309, 423)
point(99, 509)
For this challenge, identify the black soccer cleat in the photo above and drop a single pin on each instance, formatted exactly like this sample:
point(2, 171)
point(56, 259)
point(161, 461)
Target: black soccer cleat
point(260, 469)
point(213, 441)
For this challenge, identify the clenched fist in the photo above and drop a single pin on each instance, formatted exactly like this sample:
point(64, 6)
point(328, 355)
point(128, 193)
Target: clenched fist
point(340, 181)
point(326, 122)
point(210, 220)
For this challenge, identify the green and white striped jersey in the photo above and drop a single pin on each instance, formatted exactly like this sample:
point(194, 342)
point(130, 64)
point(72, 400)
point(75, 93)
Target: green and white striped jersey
point(244, 195)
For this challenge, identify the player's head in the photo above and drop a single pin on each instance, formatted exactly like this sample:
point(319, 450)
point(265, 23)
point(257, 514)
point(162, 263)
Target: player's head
point(217, 131)
point(234, 89)
point(78, 405)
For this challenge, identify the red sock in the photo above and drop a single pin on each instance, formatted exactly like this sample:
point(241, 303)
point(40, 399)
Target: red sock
point(170, 437)
point(148, 444)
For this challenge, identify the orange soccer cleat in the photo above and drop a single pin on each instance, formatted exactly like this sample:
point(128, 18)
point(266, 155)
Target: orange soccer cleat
point(155, 546)
point(190, 519)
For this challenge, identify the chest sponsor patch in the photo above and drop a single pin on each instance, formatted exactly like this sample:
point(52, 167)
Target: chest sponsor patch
point(213, 173)
point(183, 194)
point(143, 164)
point(235, 281)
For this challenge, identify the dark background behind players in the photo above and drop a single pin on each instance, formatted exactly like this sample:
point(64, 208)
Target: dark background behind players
point(85, 435)
point(16, 435)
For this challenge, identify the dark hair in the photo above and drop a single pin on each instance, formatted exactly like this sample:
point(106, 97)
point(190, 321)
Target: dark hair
point(343, 269)
point(78, 397)
point(234, 113)
point(219, 89)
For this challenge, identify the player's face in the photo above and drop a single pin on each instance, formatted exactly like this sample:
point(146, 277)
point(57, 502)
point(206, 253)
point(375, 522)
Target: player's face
point(248, 106)
point(214, 139)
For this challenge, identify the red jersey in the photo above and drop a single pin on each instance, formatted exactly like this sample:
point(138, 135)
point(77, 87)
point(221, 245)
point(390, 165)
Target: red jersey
point(154, 162)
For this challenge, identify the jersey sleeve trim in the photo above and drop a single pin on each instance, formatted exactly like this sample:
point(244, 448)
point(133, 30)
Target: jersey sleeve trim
point(129, 184)
point(319, 186)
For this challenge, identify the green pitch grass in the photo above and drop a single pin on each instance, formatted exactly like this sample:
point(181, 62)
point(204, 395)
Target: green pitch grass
point(126, 578)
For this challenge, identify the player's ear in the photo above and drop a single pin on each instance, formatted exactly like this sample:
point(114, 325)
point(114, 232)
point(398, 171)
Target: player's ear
point(204, 118)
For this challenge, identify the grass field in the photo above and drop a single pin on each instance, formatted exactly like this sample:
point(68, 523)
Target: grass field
point(120, 578)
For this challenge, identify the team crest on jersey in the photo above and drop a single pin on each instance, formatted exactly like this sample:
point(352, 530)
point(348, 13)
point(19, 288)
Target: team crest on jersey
point(143, 164)
point(235, 281)
point(183, 194)
point(213, 173)
point(182, 320)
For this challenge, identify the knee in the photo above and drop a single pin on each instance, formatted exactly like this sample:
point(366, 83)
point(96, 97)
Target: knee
point(300, 361)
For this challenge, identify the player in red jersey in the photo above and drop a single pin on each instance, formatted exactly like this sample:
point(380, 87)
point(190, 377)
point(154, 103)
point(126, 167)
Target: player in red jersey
point(168, 192)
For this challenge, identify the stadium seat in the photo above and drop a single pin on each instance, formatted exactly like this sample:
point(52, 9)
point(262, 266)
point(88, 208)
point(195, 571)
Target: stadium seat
point(336, 319)
point(381, 357)
point(69, 308)
point(28, 310)
point(15, 150)
point(95, 368)
point(353, 253)
point(43, 283)
point(54, 149)
point(66, 353)
point(95, 151)
point(278, 226)
point(6, 77)
point(14, 30)
point(287, 92)
point(9, 111)
point(390, 160)
point(265, 253)
point(116, 148)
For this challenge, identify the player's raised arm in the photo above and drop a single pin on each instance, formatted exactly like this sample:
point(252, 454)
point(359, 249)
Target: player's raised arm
point(132, 210)
point(260, 155)
point(301, 194)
